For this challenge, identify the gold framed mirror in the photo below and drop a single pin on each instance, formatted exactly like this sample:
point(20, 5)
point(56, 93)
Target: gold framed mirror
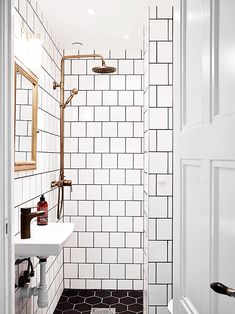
point(26, 107)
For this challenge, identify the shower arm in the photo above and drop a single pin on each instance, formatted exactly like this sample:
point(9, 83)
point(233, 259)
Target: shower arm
point(62, 182)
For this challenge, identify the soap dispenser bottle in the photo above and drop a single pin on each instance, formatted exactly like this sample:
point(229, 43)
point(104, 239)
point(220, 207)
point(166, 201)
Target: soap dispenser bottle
point(42, 205)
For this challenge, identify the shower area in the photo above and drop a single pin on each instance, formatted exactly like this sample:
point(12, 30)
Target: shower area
point(106, 118)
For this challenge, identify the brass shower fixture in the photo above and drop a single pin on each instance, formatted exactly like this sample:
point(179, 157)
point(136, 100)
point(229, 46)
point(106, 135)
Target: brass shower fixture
point(103, 69)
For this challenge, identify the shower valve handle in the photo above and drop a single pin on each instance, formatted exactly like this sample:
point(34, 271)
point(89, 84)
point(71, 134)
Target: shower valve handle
point(222, 289)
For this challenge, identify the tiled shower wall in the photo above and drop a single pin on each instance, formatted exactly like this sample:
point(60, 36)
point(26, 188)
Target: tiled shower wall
point(104, 159)
point(30, 184)
point(158, 159)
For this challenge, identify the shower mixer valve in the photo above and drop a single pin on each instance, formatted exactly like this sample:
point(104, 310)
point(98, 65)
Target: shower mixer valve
point(61, 183)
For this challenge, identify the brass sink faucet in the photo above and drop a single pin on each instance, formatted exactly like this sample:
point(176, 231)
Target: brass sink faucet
point(25, 219)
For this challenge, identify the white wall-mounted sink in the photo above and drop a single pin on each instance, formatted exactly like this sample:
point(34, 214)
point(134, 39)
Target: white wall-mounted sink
point(45, 241)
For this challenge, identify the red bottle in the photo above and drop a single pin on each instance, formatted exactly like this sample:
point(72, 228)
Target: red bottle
point(42, 205)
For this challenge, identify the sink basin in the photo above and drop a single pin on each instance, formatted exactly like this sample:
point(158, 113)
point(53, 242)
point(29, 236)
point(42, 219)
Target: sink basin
point(45, 241)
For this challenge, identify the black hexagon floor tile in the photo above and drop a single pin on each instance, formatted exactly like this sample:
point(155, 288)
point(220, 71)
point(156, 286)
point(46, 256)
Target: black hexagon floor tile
point(74, 301)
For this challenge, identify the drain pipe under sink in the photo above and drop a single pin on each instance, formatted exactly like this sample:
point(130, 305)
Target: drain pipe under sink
point(40, 291)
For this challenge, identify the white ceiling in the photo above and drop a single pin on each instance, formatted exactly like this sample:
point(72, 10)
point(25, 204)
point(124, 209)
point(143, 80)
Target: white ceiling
point(104, 30)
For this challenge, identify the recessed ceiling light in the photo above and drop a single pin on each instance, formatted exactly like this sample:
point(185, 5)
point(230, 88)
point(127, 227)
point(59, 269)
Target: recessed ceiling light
point(126, 36)
point(91, 11)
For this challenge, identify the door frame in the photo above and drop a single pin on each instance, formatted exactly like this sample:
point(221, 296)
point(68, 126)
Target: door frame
point(7, 294)
point(176, 128)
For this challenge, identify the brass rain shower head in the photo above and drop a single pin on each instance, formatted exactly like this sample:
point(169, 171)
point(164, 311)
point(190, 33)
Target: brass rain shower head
point(104, 69)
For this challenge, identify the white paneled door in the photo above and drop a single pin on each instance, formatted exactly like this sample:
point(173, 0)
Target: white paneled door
point(204, 184)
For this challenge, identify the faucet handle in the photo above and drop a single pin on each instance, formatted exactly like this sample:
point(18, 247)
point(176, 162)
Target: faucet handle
point(26, 210)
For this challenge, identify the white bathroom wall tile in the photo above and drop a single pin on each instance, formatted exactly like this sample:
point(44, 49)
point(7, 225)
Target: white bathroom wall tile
point(93, 255)
point(101, 176)
point(117, 271)
point(78, 283)
point(102, 82)
point(157, 295)
point(138, 129)
point(157, 251)
point(124, 192)
point(78, 66)
point(109, 98)
point(118, 82)
point(164, 52)
point(164, 273)
point(94, 129)
point(164, 96)
point(101, 208)
point(109, 129)
point(78, 255)
point(133, 208)
point(109, 284)
point(133, 177)
point(78, 161)
point(126, 67)
point(101, 114)
point(117, 176)
point(158, 74)
point(101, 145)
point(126, 98)
point(86, 208)
point(78, 129)
point(125, 224)
point(117, 239)
point(109, 160)
point(70, 82)
point(101, 239)
point(71, 270)
point(125, 284)
point(164, 229)
point(102, 271)
point(164, 185)
point(133, 145)
point(125, 129)
point(109, 255)
point(117, 145)
point(157, 207)
point(133, 82)
point(138, 224)
point(158, 30)
point(109, 192)
point(79, 223)
point(85, 271)
point(132, 271)
point(85, 82)
point(157, 162)
point(138, 256)
point(158, 118)
point(93, 161)
point(125, 161)
point(86, 114)
point(71, 114)
point(125, 256)
point(133, 114)
point(85, 239)
point(71, 145)
point(164, 140)
point(133, 240)
point(93, 224)
point(117, 113)
point(117, 208)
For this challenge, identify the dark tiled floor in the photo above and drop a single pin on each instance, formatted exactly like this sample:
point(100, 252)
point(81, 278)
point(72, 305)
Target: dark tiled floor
point(75, 301)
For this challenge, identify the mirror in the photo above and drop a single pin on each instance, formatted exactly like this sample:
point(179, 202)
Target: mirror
point(26, 106)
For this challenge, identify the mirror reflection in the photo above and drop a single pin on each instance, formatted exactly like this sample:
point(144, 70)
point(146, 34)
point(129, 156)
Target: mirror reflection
point(25, 118)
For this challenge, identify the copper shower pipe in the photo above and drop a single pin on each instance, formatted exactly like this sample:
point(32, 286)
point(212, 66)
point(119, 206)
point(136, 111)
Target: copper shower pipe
point(62, 182)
